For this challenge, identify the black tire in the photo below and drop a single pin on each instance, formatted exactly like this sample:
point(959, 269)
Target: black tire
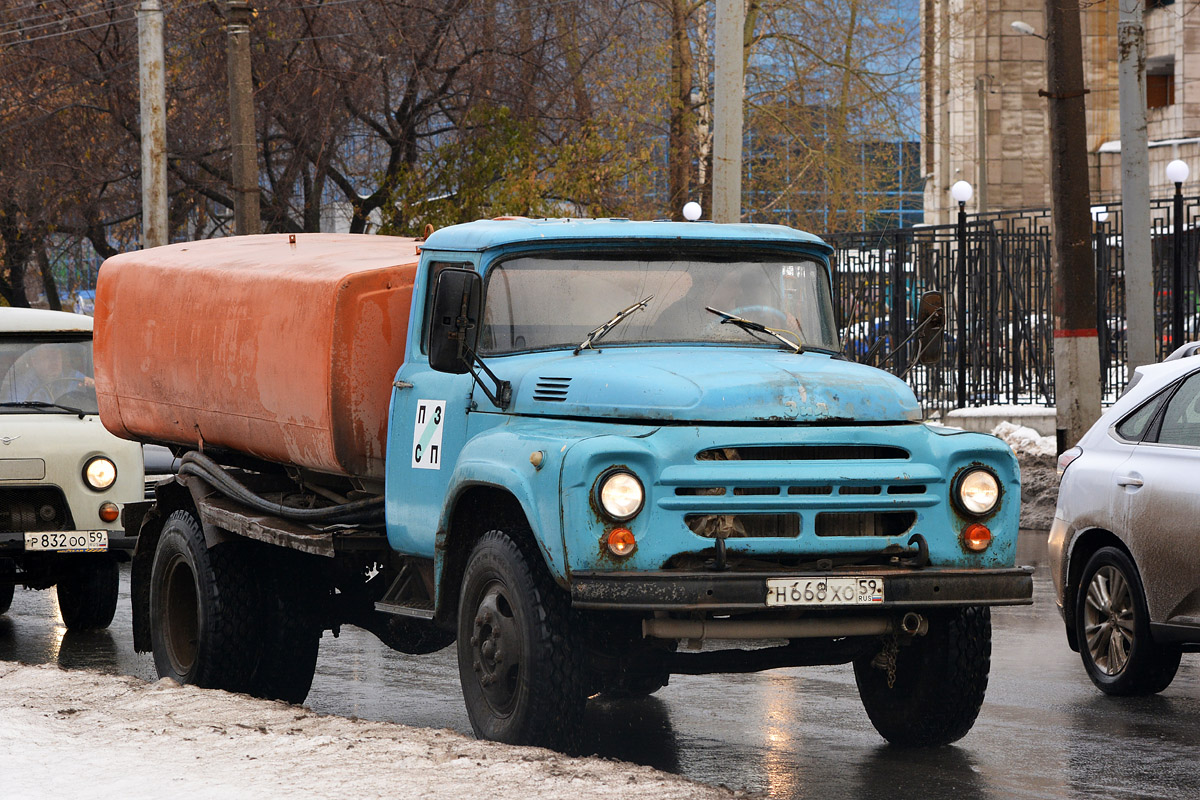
point(204, 629)
point(940, 680)
point(518, 656)
point(87, 593)
point(291, 630)
point(1112, 626)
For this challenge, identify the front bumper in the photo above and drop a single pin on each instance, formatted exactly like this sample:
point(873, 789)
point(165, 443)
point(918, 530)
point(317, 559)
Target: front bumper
point(717, 592)
point(12, 542)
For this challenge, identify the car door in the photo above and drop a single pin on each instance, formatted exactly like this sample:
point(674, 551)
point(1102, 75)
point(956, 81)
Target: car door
point(1161, 495)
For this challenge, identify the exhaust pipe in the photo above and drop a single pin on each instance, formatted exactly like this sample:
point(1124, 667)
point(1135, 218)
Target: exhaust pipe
point(912, 624)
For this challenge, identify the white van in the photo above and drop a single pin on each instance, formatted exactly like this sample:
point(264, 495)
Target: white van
point(63, 478)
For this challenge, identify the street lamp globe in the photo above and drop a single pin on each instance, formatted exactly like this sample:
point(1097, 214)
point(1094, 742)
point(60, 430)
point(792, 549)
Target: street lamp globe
point(691, 211)
point(1100, 213)
point(961, 191)
point(1177, 171)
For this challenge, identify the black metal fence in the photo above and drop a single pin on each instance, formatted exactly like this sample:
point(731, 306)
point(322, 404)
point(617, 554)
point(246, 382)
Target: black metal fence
point(1008, 335)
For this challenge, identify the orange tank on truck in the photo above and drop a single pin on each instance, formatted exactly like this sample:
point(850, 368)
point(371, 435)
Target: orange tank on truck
point(200, 344)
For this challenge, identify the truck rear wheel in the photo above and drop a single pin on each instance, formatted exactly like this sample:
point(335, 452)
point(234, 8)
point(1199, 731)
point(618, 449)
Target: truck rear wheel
point(87, 594)
point(938, 684)
point(291, 630)
point(203, 625)
point(518, 658)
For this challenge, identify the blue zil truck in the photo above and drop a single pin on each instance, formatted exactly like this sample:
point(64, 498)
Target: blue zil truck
point(592, 454)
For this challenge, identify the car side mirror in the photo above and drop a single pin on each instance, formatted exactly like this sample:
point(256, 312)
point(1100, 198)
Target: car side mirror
point(454, 321)
point(931, 320)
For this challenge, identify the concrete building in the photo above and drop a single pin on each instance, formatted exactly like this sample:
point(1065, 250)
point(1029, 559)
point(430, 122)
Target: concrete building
point(983, 120)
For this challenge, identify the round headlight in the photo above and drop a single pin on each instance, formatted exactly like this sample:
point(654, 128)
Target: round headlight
point(978, 491)
point(621, 495)
point(100, 473)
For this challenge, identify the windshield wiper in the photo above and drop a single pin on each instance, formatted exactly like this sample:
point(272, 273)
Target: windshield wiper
point(42, 404)
point(755, 327)
point(617, 319)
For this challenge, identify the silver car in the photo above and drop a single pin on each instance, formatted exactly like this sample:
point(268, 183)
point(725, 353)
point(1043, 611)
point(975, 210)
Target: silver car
point(1125, 543)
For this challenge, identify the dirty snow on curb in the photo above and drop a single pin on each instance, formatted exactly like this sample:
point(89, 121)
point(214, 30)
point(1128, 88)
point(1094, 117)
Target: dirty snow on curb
point(1024, 440)
point(83, 734)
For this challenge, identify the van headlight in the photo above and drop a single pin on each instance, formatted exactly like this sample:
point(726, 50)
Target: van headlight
point(977, 492)
point(100, 473)
point(621, 495)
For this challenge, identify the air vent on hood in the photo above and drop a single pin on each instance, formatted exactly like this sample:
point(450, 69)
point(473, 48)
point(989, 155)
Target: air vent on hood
point(553, 390)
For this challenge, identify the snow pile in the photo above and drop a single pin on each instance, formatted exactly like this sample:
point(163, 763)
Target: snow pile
point(1025, 441)
point(83, 734)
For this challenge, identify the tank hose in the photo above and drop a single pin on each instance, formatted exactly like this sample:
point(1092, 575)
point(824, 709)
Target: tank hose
point(368, 511)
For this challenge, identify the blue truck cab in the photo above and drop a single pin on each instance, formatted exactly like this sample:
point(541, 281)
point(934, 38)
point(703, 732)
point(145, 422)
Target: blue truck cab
point(626, 445)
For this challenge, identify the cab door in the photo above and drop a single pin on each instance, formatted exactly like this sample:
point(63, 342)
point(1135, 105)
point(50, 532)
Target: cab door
point(427, 427)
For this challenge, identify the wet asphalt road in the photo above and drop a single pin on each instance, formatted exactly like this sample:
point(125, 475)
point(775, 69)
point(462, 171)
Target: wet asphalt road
point(793, 733)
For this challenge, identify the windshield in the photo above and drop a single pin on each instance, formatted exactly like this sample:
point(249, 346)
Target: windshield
point(43, 370)
point(537, 302)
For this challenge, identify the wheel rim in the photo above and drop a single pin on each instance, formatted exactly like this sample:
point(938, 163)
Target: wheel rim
point(496, 649)
point(1108, 620)
point(182, 615)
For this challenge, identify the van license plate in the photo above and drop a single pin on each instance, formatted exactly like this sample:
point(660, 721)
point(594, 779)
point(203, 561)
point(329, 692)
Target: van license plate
point(67, 541)
point(824, 591)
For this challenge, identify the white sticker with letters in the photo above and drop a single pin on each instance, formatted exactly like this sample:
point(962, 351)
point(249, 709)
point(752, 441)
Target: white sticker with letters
point(427, 434)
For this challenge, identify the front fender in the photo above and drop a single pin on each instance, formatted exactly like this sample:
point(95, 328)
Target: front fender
point(501, 459)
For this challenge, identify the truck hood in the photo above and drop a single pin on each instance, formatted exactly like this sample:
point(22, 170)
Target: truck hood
point(705, 384)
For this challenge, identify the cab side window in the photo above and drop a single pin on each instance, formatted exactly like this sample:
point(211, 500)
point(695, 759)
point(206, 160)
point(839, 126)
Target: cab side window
point(435, 269)
point(1181, 416)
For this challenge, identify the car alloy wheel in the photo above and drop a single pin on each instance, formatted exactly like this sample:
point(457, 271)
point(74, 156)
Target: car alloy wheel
point(1108, 621)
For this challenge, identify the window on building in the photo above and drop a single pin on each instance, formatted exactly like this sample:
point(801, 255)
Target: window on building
point(1160, 89)
point(1158, 3)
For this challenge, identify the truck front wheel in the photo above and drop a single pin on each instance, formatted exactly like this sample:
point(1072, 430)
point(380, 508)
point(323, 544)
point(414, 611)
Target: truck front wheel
point(87, 594)
point(203, 626)
point(518, 658)
point(927, 692)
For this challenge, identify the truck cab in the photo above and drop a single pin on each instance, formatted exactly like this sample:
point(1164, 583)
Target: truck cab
point(667, 427)
point(64, 479)
point(592, 454)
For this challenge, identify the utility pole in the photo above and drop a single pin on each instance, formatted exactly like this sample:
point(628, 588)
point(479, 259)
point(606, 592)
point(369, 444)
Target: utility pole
point(728, 98)
point(242, 145)
point(1076, 340)
point(153, 90)
point(1135, 186)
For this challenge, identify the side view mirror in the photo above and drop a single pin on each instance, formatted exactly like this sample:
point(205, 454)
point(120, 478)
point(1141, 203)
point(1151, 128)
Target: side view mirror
point(931, 320)
point(454, 321)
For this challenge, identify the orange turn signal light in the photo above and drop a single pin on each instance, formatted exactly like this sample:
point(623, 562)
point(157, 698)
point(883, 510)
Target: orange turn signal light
point(976, 537)
point(109, 512)
point(621, 541)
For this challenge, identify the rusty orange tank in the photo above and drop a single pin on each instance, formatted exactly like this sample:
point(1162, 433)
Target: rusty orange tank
point(281, 347)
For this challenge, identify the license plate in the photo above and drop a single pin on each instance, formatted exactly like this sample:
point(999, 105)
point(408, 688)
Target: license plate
point(824, 591)
point(67, 541)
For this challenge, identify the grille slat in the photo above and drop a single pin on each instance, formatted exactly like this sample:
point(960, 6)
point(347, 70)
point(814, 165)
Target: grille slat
point(804, 452)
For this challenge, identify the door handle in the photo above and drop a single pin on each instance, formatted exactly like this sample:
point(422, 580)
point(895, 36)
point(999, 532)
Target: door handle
point(1129, 480)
